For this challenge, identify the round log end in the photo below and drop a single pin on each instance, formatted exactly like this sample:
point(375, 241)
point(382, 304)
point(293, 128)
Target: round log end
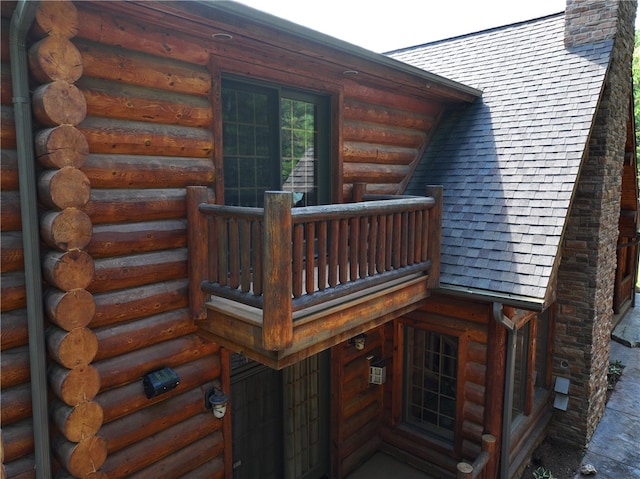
point(56, 18)
point(79, 422)
point(65, 188)
point(59, 103)
point(72, 348)
point(82, 458)
point(70, 309)
point(74, 386)
point(67, 229)
point(70, 270)
point(61, 146)
point(55, 58)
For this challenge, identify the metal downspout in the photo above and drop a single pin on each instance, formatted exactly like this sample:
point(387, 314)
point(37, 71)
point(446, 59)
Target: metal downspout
point(507, 406)
point(21, 20)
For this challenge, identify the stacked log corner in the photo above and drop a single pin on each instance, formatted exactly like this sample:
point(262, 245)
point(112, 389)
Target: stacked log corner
point(55, 64)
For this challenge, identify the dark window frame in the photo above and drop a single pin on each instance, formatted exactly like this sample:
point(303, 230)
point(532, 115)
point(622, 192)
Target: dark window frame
point(276, 92)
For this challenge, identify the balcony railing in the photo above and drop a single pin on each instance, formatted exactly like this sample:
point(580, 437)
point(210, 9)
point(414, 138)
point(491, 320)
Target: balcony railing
point(285, 261)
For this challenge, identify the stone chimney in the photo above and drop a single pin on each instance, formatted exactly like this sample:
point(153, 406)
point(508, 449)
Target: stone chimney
point(591, 21)
point(586, 277)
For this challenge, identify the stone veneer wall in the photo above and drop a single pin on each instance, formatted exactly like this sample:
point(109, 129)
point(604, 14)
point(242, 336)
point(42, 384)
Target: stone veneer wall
point(587, 270)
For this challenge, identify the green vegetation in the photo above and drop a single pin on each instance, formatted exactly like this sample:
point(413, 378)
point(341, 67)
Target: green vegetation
point(542, 473)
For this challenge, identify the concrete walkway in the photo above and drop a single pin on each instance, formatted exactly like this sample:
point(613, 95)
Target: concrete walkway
point(614, 449)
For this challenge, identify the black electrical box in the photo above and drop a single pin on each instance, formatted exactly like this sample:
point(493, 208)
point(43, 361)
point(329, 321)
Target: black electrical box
point(160, 381)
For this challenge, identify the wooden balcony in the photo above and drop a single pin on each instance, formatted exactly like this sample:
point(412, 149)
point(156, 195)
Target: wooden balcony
point(279, 284)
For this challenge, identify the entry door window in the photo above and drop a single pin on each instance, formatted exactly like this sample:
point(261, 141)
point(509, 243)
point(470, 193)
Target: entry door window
point(274, 139)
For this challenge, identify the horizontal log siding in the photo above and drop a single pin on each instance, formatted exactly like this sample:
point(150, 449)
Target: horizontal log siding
point(15, 406)
point(148, 129)
point(382, 144)
point(358, 412)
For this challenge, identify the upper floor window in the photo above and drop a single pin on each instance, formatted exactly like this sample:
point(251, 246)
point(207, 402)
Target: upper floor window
point(274, 139)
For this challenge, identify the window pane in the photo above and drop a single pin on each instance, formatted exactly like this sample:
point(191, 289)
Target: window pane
point(298, 135)
point(431, 381)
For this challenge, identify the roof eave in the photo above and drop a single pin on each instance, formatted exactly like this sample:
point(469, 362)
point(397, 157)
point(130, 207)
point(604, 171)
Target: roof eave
point(268, 20)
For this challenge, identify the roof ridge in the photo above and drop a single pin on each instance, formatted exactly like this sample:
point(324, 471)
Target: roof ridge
point(471, 34)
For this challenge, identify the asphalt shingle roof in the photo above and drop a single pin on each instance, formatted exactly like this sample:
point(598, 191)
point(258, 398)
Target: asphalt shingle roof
point(509, 162)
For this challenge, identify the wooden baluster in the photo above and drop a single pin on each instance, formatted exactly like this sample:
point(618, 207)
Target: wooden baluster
point(222, 252)
point(257, 257)
point(389, 243)
point(381, 243)
point(411, 236)
point(245, 256)
point(426, 231)
point(298, 260)
point(322, 255)
point(404, 242)
point(333, 252)
point(342, 251)
point(197, 242)
point(354, 248)
point(362, 246)
point(310, 271)
point(277, 325)
point(417, 254)
point(397, 240)
point(373, 245)
point(234, 254)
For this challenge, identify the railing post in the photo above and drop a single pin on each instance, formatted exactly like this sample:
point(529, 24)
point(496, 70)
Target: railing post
point(435, 234)
point(358, 192)
point(197, 246)
point(489, 446)
point(277, 325)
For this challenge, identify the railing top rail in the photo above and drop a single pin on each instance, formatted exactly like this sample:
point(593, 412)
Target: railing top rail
point(346, 210)
point(239, 212)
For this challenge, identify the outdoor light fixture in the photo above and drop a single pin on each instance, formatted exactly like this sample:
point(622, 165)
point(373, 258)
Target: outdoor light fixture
point(377, 370)
point(222, 36)
point(216, 400)
point(358, 341)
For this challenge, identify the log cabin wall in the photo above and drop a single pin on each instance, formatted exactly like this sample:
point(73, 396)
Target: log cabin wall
point(16, 437)
point(125, 120)
point(357, 405)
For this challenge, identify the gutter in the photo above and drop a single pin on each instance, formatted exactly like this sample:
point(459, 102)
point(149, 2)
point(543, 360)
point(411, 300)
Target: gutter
point(517, 301)
point(21, 20)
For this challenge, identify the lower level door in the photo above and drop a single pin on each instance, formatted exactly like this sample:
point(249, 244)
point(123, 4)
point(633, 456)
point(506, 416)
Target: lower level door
point(280, 419)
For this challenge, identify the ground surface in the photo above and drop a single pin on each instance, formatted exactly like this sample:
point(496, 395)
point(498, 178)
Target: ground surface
point(562, 460)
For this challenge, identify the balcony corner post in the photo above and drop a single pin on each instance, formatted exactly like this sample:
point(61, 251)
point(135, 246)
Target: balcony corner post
point(435, 234)
point(277, 325)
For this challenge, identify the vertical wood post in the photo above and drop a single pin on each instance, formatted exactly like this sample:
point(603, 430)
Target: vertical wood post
point(489, 444)
point(435, 235)
point(277, 325)
point(197, 244)
point(358, 192)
